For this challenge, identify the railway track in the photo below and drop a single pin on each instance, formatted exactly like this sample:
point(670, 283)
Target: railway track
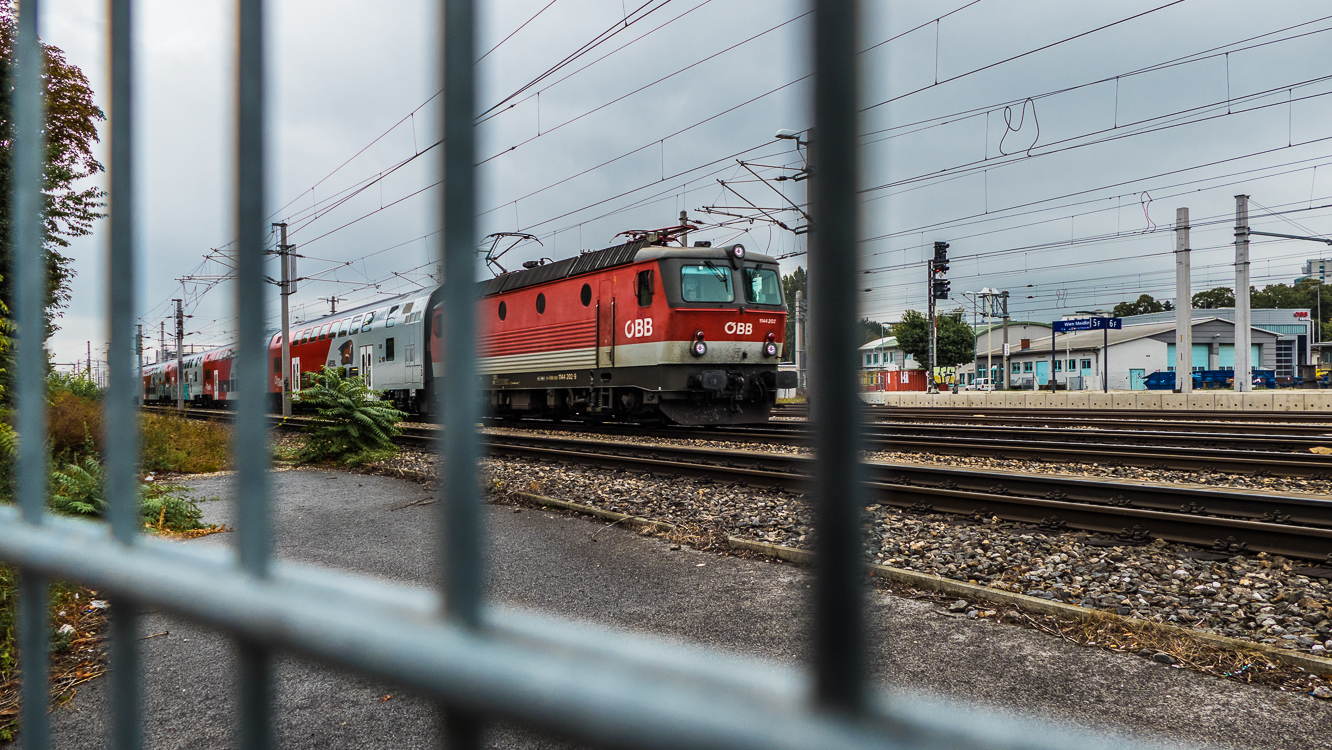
point(1126, 512)
point(1293, 422)
point(1122, 512)
point(1211, 451)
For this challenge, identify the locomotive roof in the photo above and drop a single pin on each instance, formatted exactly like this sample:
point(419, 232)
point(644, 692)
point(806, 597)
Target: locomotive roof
point(619, 255)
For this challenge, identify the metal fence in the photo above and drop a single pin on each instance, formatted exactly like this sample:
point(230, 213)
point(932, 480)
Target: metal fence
point(477, 660)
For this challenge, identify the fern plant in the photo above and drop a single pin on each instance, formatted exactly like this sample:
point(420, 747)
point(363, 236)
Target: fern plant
point(78, 489)
point(351, 424)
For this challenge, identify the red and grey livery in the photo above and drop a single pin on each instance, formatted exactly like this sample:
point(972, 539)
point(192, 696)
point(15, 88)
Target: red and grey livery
point(641, 330)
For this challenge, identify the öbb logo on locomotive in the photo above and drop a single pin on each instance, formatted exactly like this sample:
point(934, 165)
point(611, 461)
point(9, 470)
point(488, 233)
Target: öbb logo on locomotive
point(638, 328)
point(561, 359)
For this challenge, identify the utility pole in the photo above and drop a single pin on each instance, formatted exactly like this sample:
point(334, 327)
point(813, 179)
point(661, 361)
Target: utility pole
point(89, 373)
point(799, 313)
point(1243, 330)
point(1183, 305)
point(180, 355)
point(138, 351)
point(1004, 380)
point(286, 287)
point(332, 304)
point(161, 348)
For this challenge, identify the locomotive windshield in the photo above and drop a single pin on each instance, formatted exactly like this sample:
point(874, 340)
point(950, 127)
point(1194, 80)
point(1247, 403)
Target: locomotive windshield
point(706, 282)
point(762, 287)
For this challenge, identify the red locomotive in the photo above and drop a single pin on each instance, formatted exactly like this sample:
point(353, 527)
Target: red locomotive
point(642, 330)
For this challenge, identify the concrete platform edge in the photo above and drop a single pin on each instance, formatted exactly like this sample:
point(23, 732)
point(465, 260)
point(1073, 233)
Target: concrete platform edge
point(1031, 604)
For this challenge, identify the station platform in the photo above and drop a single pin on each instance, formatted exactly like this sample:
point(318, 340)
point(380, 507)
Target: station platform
point(1255, 401)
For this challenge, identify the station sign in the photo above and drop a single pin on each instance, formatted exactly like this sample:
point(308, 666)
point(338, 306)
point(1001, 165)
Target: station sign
point(1088, 324)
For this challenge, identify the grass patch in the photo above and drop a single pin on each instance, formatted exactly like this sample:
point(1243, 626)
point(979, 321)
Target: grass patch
point(177, 444)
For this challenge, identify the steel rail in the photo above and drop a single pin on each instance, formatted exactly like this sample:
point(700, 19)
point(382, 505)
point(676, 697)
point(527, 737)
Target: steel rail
point(1009, 412)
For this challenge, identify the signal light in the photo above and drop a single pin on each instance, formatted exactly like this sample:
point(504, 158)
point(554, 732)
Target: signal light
point(941, 252)
point(940, 287)
point(698, 348)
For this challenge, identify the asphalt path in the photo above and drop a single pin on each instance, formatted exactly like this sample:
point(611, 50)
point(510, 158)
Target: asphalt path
point(576, 569)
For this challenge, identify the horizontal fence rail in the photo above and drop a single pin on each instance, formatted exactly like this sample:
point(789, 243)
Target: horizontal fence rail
point(477, 660)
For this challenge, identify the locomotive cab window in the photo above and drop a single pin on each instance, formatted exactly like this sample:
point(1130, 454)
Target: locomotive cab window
point(762, 286)
point(706, 282)
point(645, 288)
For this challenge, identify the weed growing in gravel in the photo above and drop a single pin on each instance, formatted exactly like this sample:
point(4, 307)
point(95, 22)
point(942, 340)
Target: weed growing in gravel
point(352, 426)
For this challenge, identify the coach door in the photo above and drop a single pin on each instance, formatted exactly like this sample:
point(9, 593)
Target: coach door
point(367, 362)
point(606, 325)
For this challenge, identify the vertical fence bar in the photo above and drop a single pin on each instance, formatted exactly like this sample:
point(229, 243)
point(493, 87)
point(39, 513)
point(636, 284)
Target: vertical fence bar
point(251, 439)
point(30, 297)
point(456, 396)
point(839, 562)
point(122, 433)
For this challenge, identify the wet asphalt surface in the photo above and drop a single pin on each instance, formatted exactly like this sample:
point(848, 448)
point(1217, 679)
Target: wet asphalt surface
point(576, 569)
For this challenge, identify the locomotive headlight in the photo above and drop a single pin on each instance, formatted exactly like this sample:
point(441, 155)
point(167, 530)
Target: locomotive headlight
point(738, 252)
point(770, 347)
point(698, 348)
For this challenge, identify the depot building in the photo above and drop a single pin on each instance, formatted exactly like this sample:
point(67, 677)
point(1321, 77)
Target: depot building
point(1079, 359)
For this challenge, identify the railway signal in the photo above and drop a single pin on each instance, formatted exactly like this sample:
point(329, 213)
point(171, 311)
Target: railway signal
point(938, 289)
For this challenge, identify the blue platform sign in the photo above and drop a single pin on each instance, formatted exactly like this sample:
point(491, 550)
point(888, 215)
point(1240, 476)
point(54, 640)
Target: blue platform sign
point(1088, 324)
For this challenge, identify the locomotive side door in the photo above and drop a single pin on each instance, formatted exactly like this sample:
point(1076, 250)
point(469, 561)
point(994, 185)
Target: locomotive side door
point(367, 362)
point(606, 325)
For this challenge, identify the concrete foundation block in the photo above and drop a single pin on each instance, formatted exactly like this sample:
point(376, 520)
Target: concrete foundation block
point(1058, 400)
point(1288, 401)
point(1150, 400)
point(1123, 400)
point(1229, 401)
point(1174, 401)
point(1100, 400)
point(1204, 401)
point(1079, 400)
point(1318, 401)
point(1038, 400)
point(1260, 401)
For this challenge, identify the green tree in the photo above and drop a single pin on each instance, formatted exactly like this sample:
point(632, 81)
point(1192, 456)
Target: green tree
point(1222, 296)
point(873, 329)
point(956, 339)
point(352, 425)
point(71, 206)
point(796, 281)
point(1144, 304)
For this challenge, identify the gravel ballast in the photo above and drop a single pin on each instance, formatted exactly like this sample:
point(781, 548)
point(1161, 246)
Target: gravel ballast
point(1257, 597)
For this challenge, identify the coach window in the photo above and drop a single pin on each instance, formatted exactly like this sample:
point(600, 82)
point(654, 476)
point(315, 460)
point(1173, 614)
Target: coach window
point(369, 319)
point(388, 349)
point(388, 323)
point(645, 288)
point(308, 336)
point(586, 295)
point(762, 287)
point(342, 327)
point(355, 324)
point(503, 313)
point(706, 283)
point(541, 304)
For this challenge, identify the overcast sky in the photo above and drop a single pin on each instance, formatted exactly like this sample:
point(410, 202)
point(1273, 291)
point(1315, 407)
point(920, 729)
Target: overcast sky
point(1069, 206)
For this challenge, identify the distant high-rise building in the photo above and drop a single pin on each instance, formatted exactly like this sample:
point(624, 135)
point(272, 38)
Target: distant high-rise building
point(1317, 268)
